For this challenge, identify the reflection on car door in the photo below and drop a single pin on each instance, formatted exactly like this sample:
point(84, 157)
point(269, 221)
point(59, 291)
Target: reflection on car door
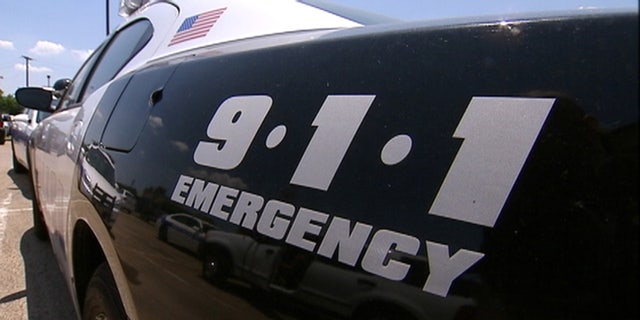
point(56, 140)
point(184, 233)
point(260, 261)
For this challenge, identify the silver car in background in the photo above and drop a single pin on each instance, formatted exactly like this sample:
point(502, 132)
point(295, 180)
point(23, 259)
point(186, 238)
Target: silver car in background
point(21, 128)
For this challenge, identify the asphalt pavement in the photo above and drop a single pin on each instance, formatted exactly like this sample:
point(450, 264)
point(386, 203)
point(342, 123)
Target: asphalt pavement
point(31, 284)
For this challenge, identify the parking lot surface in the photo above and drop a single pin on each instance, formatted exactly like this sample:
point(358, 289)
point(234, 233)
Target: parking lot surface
point(31, 284)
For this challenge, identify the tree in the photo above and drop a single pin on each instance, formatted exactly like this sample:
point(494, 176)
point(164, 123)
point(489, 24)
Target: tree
point(8, 104)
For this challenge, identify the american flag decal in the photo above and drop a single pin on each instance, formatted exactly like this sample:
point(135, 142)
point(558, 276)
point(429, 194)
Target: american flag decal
point(196, 26)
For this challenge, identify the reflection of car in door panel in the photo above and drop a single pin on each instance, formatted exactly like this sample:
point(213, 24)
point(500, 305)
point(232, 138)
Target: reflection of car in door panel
point(129, 201)
point(289, 271)
point(98, 181)
point(483, 168)
point(184, 231)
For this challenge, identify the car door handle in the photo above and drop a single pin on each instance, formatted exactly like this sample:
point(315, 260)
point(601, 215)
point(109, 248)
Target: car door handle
point(156, 96)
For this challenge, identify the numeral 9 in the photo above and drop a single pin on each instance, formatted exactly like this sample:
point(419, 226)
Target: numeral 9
point(232, 129)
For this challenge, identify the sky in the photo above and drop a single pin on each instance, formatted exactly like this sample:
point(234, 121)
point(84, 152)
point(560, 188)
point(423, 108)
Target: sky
point(56, 36)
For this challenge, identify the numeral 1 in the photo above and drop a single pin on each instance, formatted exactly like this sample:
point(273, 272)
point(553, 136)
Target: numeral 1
point(336, 125)
point(498, 135)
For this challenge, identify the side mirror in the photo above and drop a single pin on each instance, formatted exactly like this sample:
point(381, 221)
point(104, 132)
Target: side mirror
point(35, 98)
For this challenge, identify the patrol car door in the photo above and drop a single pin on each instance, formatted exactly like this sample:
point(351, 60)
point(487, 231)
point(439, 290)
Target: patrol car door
point(57, 141)
point(53, 160)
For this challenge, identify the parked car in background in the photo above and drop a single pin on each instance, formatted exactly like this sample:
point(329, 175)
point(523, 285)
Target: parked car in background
point(21, 129)
point(261, 262)
point(183, 230)
point(3, 131)
point(6, 121)
point(98, 182)
point(476, 168)
point(128, 203)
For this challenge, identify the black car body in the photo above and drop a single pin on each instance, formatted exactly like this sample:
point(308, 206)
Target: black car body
point(473, 169)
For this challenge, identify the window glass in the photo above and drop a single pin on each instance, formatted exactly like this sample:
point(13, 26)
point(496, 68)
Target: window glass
point(184, 220)
point(131, 113)
point(41, 115)
point(73, 91)
point(108, 60)
point(124, 46)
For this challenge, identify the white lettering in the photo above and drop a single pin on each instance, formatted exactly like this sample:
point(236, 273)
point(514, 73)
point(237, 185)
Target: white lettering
point(246, 211)
point(498, 135)
point(182, 187)
point(337, 123)
point(376, 259)
point(348, 245)
point(303, 224)
point(443, 270)
point(382, 257)
point(225, 198)
point(270, 223)
point(232, 129)
point(201, 197)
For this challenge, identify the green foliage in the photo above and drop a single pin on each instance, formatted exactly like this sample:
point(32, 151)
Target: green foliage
point(8, 104)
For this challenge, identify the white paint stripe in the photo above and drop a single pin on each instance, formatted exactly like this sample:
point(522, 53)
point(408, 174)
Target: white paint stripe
point(18, 210)
point(3, 218)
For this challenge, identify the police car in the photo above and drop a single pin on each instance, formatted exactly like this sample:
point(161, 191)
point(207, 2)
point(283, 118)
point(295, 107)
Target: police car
point(354, 167)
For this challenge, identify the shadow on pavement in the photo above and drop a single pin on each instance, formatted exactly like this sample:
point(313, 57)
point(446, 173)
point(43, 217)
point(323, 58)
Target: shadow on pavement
point(46, 291)
point(22, 181)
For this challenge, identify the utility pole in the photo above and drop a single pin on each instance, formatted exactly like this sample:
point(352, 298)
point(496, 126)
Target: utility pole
point(27, 59)
point(107, 12)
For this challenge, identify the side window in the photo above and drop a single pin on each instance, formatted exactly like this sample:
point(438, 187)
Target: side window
point(42, 115)
point(125, 45)
point(108, 60)
point(186, 221)
point(73, 91)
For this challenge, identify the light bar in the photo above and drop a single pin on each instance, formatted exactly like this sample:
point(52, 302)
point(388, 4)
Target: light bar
point(127, 7)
